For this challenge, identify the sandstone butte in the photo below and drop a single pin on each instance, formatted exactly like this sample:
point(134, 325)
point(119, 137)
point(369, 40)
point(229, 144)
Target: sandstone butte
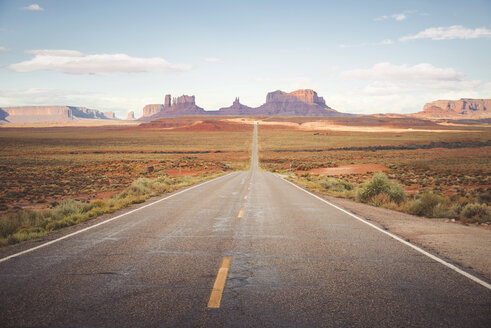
point(304, 102)
point(30, 114)
point(464, 108)
point(131, 116)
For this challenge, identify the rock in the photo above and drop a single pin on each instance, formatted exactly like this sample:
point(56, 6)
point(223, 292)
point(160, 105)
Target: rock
point(183, 100)
point(167, 102)
point(236, 109)
point(110, 115)
point(30, 114)
point(131, 116)
point(297, 103)
point(152, 109)
point(306, 96)
point(181, 106)
point(457, 109)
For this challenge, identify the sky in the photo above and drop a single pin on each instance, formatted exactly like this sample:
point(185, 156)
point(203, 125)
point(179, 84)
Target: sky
point(361, 56)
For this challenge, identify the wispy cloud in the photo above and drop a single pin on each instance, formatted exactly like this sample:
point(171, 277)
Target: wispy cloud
point(449, 33)
point(75, 62)
point(4, 49)
point(398, 16)
point(365, 44)
point(33, 7)
point(390, 72)
point(212, 60)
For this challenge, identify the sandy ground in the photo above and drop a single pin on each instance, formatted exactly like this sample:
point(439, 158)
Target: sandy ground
point(349, 169)
point(468, 246)
point(329, 126)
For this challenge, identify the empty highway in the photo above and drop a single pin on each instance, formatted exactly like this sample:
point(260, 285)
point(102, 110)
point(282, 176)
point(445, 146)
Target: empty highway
point(248, 249)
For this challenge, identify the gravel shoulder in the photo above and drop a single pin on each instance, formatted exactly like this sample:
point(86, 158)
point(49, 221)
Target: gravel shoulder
point(467, 246)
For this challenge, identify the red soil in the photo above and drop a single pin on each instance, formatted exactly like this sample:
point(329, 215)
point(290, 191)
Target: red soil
point(349, 169)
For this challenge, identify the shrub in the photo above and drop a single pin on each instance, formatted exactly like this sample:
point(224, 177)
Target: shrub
point(475, 212)
point(335, 184)
point(380, 184)
point(430, 205)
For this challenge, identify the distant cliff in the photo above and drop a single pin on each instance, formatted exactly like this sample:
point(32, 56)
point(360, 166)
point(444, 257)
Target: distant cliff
point(297, 103)
point(236, 109)
point(29, 114)
point(180, 106)
point(457, 109)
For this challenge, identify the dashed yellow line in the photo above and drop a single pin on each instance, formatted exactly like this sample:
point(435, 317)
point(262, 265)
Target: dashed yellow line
point(245, 197)
point(221, 279)
point(241, 213)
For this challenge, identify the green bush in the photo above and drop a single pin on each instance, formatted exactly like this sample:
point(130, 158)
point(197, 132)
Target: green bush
point(380, 184)
point(430, 205)
point(475, 212)
point(335, 184)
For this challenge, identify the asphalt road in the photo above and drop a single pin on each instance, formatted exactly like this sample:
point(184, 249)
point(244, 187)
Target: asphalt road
point(294, 261)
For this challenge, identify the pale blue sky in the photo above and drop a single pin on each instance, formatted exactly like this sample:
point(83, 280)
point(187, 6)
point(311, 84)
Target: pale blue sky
point(361, 56)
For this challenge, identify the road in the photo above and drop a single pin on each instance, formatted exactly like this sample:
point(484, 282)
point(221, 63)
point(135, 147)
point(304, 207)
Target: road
point(248, 249)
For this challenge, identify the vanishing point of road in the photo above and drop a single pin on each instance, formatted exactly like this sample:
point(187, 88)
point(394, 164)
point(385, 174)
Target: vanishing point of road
point(248, 249)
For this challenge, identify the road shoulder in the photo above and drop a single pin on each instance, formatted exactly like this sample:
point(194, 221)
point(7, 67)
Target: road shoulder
point(466, 246)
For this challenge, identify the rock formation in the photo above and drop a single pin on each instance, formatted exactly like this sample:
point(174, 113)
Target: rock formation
point(236, 109)
point(296, 103)
point(131, 116)
point(306, 96)
point(180, 106)
point(457, 109)
point(29, 114)
point(152, 109)
point(167, 102)
point(110, 115)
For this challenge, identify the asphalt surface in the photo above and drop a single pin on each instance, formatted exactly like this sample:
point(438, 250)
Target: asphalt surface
point(295, 261)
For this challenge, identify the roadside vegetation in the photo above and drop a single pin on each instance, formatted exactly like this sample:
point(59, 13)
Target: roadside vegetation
point(21, 225)
point(435, 175)
point(380, 191)
point(56, 177)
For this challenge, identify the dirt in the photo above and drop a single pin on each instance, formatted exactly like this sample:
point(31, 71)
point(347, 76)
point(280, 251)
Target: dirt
point(358, 125)
point(467, 245)
point(349, 169)
point(196, 124)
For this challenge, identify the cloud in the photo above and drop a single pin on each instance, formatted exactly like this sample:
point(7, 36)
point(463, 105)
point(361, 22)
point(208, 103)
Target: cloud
point(400, 16)
point(397, 17)
point(390, 72)
point(449, 33)
point(364, 44)
point(33, 7)
point(76, 62)
point(212, 60)
point(3, 49)
point(387, 87)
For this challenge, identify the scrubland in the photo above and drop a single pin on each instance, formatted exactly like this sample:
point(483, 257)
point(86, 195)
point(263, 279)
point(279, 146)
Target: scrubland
point(55, 177)
point(426, 173)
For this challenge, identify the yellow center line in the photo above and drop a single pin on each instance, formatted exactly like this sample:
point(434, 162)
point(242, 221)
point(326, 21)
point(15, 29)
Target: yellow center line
point(241, 213)
point(249, 188)
point(245, 197)
point(216, 293)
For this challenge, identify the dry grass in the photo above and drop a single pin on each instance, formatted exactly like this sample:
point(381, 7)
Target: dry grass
point(452, 166)
point(43, 168)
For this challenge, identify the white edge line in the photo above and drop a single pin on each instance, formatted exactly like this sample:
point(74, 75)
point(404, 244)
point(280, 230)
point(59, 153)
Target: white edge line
point(106, 221)
point(422, 251)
